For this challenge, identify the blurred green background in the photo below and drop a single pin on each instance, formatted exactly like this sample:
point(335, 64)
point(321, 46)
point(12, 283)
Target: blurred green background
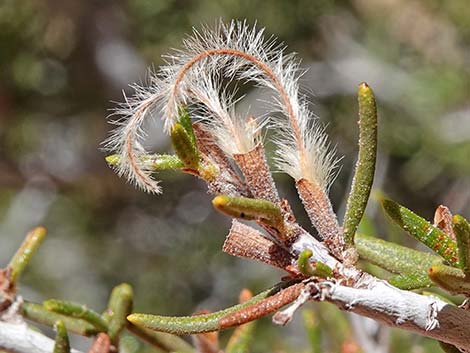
point(63, 62)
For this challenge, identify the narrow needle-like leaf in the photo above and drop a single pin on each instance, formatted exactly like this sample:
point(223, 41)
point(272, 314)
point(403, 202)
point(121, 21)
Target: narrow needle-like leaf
point(77, 310)
point(450, 278)
point(185, 325)
point(365, 165)
point(119, 306)
point(242, 337)
point(411, 281)
point(249, 209)
point(207, 342)
point(184, 147)
point(62, 344)
point(462, 234)
point(113, 159)
point(423, 231)
point(26, 251)
point(157, 162)
point(185, 121)
point(445, 299)
point(161, 340)
point(393, 257)
point(303, 263)
point(318, 269)
point(312, 326)
point(322, 270)
point(152, 162)
point(38, 313)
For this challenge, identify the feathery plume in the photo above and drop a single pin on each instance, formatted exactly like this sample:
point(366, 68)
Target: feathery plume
point(193, 76)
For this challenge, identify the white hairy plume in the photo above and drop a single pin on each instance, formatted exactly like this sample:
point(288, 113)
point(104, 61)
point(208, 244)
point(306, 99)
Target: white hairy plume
point(234, 134)
point(194, 75)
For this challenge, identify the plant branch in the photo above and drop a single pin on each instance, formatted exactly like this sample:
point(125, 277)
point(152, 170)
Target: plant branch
point(19, 338)
point(425, 315)
point(374, 298)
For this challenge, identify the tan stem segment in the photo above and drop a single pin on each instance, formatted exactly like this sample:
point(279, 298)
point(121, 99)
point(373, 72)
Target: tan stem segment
point(257, 175)
point(246, 242)
point(321, 214)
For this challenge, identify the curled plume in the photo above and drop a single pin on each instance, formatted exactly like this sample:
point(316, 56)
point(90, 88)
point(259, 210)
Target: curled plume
point(194, 75)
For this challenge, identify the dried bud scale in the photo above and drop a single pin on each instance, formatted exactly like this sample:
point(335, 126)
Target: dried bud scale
point(246, 242)
point(443, 220)
point(320, 211)
point(102, 344)
point(257, 175)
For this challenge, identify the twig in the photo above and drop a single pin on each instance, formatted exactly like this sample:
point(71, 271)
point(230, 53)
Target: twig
point(371, 297)
point(19, 338)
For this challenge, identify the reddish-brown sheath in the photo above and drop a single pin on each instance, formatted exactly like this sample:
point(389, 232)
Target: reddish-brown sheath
point(263, 307)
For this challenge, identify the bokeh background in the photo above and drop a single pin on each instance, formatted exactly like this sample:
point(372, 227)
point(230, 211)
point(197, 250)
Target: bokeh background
point(63, 62)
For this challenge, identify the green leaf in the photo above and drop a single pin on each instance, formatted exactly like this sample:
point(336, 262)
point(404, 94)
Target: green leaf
point(113, 159)
point(317, 269)
point(411, 281)
point(62, 344)
point(249, 209)
point(322, 270)
point(303, 263)
point(450, 278)
point(38, 313)
point(184, 147)
point(26, 251)
point(312, 326)
point(119, 307)
point(439, 296)
point(77, 310)
point(365, 165)
point(393, 257)
point(241, 338)
point(462, 234)
point(164, 341)
point(185, 121)
point(184, 325)
point(152, 162)
point(423, 231)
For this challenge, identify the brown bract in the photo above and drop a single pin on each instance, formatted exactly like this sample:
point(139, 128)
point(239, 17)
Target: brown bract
point(7, 289)
point(320, 211)
point(246, 242)
point(443, 220)
point(257, 175)
point(101, 344)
